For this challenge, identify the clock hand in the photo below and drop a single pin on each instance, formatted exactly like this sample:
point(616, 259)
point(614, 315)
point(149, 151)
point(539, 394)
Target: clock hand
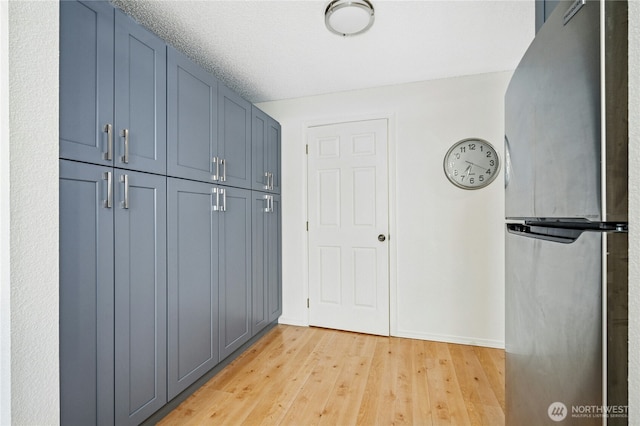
point(467, 170)
point(473, 164)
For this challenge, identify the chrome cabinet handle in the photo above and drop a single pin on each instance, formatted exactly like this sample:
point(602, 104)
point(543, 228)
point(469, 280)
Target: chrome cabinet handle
point(217, 206)
point(125, 203)
point(107, 203)
point(266, 176)
point(108, 129)
point(271, 184)
point(125, 135)
point(266, 198)
point(224, 170)
point(215, 161)
point(271, 200)
point(224, 200)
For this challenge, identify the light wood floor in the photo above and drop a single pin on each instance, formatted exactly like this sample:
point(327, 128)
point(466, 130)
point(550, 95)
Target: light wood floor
point(311, 376)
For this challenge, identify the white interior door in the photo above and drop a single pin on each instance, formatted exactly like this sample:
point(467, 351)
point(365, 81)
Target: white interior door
point(348, 205)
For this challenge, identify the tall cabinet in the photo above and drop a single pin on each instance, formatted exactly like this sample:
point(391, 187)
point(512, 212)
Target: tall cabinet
point(169, 220)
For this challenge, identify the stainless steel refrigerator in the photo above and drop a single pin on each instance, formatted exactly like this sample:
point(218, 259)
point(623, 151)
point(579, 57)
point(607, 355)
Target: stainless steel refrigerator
point(566, 221)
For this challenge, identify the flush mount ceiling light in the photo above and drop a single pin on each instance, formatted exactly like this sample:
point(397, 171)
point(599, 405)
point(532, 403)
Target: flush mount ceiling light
point(349, 17)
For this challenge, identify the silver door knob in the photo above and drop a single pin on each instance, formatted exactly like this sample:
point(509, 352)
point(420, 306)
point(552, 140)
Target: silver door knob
point(381, 238)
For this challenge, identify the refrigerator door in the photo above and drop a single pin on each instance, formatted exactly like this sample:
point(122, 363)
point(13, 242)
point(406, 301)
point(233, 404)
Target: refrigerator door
point(552, 121)
point(553, 326)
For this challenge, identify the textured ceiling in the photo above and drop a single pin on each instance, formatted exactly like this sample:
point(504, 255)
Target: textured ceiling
point(272, 50)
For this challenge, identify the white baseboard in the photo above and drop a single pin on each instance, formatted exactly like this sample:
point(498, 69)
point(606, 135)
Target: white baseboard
point(462, 340)
point(292, 321)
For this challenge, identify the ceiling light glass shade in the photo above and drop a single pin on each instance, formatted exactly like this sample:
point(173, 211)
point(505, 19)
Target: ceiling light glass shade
point(349, 17)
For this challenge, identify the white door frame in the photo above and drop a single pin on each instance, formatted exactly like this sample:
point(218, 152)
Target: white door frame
point(391, 159)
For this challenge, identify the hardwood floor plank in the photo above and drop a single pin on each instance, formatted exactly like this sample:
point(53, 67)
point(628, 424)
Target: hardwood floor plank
point(310, 376)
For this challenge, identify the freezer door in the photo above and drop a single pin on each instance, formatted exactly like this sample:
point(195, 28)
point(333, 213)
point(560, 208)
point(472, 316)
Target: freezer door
point(552, 121)
point(553, 328)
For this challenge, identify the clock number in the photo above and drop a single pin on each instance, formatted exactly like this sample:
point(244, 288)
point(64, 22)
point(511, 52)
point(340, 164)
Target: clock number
point(488, 154)
point(488, 171)
point(481, 178)
point(471, 180)
point(463, 149)
point(492, 163)
point(455, 172)
point(457, 156)
point(472, 147)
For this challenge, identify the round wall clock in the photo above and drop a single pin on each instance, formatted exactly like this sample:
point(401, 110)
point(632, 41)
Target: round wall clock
point(471, 163)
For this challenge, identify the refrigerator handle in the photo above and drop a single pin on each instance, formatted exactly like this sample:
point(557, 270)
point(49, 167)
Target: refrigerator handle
point(556, 235)
point(507, 161)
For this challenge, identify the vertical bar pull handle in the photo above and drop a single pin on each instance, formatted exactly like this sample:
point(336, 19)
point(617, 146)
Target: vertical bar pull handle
point(266, 176)
point(271, 202)
point(125, 135)
point(107, 203)
point(271, 181)
point(266, 198)
point(224, 170)
point(217, 174)
point(217, 206)
point(125, 202)
point(108, 129)
point(224, 200)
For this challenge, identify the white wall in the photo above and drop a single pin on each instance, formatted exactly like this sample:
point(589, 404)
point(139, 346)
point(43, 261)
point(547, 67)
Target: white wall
point(634, 213)
point(33, 139)
point(5, 288)
point(447, 244)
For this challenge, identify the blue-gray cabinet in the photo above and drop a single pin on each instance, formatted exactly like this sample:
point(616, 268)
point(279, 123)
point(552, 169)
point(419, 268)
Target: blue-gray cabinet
point(140, 295)
point(192, 120)
point(209, 126)
point(112, 89)
point(86, 81)
point(234, 138)
point(192, 264)
point(209, 269)
point(112, 294)
point(235, 269)
point(267, 261)
point(266, 139)
point(86, 295)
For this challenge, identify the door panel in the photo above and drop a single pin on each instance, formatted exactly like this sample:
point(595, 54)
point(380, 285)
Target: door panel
point(192, 119)
point(235, 270)
point(192, 264)
point(86, 80)
point(141, 99)
point(553, 326)
point(86, 296)
point(140, 292)
point(348, 210)
point(273, 259)
point(234, 138)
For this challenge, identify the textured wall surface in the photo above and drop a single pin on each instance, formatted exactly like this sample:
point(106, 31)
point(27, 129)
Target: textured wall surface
point(33, 101)
point(634, 213)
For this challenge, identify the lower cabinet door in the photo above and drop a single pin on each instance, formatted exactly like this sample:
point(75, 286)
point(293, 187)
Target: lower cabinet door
point(235, 269)
point(267, 272)
point(273, 259)
point(86, 295)
point(140, 295)
point(192, 286)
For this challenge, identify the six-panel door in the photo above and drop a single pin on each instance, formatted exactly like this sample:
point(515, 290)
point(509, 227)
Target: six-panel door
point(140, 295)
point(86, 294)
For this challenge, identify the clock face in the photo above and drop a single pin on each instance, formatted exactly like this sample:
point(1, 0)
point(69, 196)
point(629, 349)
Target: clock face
point(471, 163)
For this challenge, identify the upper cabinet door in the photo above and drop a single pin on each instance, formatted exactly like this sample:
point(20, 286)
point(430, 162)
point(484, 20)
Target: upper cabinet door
point(140, 98)
point(86, 82)
point(192, 117)
point(266, 138)
point(234, 139)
